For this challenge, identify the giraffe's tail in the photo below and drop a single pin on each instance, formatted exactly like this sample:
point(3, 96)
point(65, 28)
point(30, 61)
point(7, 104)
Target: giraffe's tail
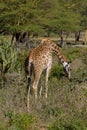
point(28, 71)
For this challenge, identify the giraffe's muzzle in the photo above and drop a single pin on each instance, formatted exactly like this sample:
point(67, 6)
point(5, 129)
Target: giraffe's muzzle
point(67, 70)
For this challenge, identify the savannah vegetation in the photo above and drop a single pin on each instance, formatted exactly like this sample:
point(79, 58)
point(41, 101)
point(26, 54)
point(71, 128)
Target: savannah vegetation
point(22, 25)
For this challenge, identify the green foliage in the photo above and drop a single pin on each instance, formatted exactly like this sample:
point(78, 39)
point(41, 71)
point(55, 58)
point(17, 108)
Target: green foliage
point(19, 122)
point(72, 53)
point(8, 56)
point(57, 71)
point(85, 56)
point(38, 15)
point(23, 122)
point(19, 15)
point(73, 124)
point(3, 127)
point(65, 105)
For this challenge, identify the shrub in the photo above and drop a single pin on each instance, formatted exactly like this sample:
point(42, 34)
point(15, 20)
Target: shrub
point(57, 71)
point(73, 53)
point(3, 127)
point(8, 56)
point(73, 124)
point(23, 122)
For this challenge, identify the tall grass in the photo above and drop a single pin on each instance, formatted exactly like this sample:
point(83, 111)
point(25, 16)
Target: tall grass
point(8, 56)
point(65, 108)
point(72, 124)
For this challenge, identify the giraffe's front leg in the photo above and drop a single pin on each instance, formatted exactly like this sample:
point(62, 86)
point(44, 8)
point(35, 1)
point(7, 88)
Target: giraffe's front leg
point(35, 89)
point(35, 84)
point(37, 75)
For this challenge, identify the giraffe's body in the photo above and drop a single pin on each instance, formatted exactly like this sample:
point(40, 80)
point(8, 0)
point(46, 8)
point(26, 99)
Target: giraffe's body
point(39, 59)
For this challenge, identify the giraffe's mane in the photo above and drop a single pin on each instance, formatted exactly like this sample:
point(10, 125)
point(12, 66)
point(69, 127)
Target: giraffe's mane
point(46, 40)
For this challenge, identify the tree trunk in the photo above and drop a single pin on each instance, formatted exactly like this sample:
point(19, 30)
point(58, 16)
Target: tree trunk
point(60, 33)
point(85, 37)
point(20, 37)
point(77, 36)
point(63, 38)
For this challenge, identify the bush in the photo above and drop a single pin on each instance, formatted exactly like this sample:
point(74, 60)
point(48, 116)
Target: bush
point(23, 122)
point(8, 56)
point(73, 124)
point(73, 53)
point(3, 127)
point(57, 71)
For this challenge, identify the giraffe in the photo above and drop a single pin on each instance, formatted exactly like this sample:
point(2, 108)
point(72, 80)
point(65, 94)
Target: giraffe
point(39, 59)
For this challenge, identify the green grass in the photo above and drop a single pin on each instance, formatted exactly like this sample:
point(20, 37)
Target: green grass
point(73, 124)
point(23, 122)
point(65, 108)
point(19, 121)
point(73, 53)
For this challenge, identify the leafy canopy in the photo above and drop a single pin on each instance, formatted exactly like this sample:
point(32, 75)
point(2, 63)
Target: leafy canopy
point(42, 15)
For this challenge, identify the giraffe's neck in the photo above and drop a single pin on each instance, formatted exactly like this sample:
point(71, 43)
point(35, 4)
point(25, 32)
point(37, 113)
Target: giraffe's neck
point(56, 49)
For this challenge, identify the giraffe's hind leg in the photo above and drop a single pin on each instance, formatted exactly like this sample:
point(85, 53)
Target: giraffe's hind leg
point(47, 76)
point(30, 70)
point(28, 73)
point(28, 92)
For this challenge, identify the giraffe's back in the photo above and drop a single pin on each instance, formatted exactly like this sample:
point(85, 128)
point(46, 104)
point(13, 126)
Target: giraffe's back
point(41, 57)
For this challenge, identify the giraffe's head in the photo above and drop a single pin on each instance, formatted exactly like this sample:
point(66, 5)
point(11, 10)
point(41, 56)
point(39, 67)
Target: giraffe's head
point(67, 68)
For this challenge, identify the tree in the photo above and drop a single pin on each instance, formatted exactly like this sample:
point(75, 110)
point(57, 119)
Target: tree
point(61, 19)
point(37, 16)
point(19, 16)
